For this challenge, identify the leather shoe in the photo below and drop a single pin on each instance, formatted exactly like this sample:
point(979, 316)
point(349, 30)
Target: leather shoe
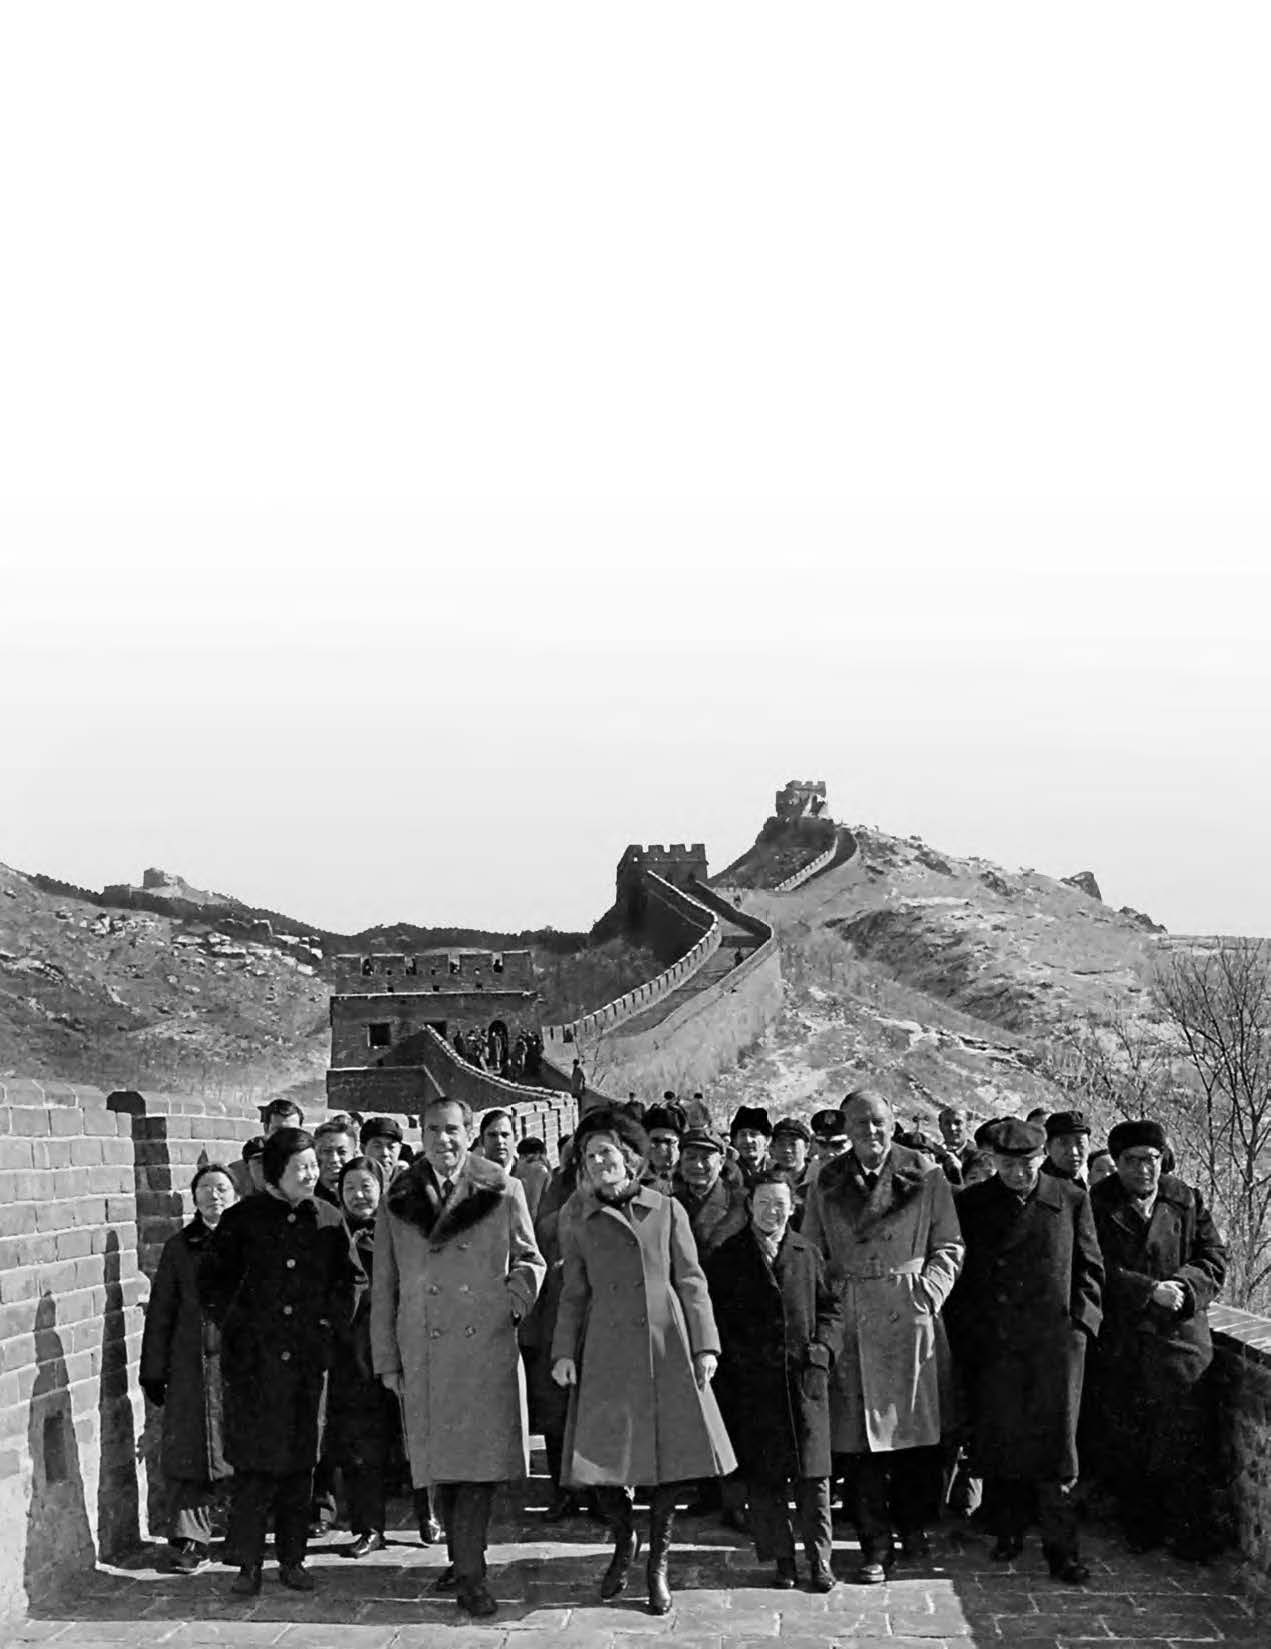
point(786, 1576)
point(821, 1578)
point(871, 1573)
point(247, 1581)
point(1006, 1548)
point(296, 1576)
point(189, 1557)
point(372, 1541)
point(430, 1532)
point(477, 1600)
point(447, 1580)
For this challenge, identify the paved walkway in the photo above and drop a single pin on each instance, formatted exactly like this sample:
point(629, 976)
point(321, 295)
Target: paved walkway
point(547, 1592)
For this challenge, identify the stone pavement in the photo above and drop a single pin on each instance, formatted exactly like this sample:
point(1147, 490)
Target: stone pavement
point(547, 1592)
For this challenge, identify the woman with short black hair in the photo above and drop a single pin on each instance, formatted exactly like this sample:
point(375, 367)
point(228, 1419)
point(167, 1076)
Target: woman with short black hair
point(280, 1277)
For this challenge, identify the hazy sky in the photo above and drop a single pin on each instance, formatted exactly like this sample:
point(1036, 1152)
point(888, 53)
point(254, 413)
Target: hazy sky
point(442, 444)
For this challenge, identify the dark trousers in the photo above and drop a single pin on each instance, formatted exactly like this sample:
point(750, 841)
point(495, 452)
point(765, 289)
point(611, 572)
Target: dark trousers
point(1011, 1503)
point(769, 1502)
point(324, 1503)
point(898, 1489)
point(256, 1494)
point(464, 1509)
point(367, 1498)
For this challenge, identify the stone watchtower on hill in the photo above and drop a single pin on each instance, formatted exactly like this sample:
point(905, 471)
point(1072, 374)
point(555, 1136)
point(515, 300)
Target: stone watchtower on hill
point(801, 798)
point(383, 1006)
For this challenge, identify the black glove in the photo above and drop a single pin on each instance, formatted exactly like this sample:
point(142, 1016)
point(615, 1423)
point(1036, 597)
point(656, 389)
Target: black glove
point(156, 1391)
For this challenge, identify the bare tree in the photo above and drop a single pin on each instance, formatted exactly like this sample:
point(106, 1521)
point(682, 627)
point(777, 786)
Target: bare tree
point(1218, 1002)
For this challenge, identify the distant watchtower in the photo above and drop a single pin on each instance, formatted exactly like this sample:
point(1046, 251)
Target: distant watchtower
point(676, 864)
point(801, 798)
point(382, 1003)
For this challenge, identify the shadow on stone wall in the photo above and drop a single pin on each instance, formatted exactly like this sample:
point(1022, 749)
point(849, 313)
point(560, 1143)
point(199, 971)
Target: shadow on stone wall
point(58, 1535)
point(118, 1530)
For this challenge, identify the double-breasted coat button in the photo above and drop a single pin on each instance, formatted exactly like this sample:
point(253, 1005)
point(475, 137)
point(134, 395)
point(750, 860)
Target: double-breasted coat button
point(291, 1219)
point(291, 1265)
point(286, 1311)
point(286, 1356)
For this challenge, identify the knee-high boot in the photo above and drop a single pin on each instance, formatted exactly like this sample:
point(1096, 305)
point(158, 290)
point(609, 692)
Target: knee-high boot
point(616, 1507)
point(661, 1519)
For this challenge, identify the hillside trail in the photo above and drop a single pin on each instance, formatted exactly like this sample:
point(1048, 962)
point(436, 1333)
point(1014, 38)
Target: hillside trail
point(734, 939)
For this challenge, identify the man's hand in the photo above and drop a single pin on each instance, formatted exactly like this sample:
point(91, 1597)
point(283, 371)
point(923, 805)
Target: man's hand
point(564, 1373)
point(393, 1380)
point(1170, 1295)
point(704, 1365)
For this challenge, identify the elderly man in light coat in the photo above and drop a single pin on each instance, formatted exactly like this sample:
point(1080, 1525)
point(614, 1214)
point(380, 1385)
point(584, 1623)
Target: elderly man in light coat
point(883, 1217)
point(456, 1269)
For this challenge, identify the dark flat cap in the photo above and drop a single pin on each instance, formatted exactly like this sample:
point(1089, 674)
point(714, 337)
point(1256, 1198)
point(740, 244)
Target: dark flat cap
point(1066, 1122)
point(1013, 1138)
point(664, 1117)
point(793, 1125)
point(750, 1116)
point(986, 1133)
point(1126, 1135)
point(706, 1139)
point(381, 1128)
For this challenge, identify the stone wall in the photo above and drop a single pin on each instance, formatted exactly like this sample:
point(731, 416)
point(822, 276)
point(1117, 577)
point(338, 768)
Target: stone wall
point(443, 970)
point(1242, 1346)
point(406, 1013)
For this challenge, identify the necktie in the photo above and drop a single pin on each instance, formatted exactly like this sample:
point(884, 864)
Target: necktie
point(447, 1186)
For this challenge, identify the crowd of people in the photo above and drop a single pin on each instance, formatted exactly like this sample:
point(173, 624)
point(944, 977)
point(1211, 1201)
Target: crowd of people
point(520, 1060)
point(979, 1324)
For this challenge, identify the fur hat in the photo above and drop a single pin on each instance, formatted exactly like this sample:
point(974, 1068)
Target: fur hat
point(666, 1117)
point(1126, 1135)
point(750, 1116)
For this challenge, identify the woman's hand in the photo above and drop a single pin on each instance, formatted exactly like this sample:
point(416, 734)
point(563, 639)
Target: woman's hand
point(564, 1373)
point(1170, 1295)
point(704, 1365)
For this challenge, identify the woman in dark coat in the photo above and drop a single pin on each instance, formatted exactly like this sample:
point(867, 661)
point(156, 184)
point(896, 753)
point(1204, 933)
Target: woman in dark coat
point(280, 1279)
point(780, 1328)
point(181, 1373)
point(635, 1337)
point(1166, 1263)
point(362, 1414)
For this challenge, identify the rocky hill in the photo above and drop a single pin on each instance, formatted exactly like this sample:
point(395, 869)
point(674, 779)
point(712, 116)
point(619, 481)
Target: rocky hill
point(171, 988)
point(940, 978)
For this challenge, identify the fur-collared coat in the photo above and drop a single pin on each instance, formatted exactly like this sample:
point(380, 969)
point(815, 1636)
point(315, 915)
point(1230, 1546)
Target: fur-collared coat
point(781, 1327)
point(893, 1254)
point(179, 1349)
point(1019, 1318)
point(1151, 1362)
point(634, 1311)
point(720, 1214)
point(450, 1286)
point(280, 1282)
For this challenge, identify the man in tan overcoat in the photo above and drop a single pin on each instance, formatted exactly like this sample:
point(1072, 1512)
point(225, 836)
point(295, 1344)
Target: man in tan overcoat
point(456, 1269)
point(883, 1217)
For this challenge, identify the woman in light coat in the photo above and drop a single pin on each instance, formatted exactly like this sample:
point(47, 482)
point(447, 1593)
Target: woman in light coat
point(635, 1338)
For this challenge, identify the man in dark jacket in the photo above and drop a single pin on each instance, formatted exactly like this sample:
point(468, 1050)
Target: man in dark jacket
point(749, 1133)
point(1019, 1318)
point(714, 1198)
point(780, 1327)
point(1166, 1263)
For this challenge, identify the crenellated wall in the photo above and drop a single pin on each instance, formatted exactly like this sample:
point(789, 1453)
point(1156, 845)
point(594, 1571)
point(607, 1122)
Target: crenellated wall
point(841, 849)
point(435, 970)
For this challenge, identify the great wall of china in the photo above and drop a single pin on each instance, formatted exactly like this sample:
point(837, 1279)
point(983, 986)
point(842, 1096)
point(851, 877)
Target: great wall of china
point(92, 1184)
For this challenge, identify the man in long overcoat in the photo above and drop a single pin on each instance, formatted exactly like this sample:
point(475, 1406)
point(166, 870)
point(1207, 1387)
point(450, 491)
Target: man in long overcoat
point(883, 1217)
point(780, 1327)
point(712, 1195)
point(456, 1269)
point(1166, 1263)
point(1020, 1316)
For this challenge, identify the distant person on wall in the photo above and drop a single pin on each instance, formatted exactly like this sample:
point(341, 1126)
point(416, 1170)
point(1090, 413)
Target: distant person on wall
point(1020, 1317)
point(181, 1373)
point(642, 1410)
point(280, 1280)
point(1166, 1262)
point(335, 1143)
point(381, 1140)
point(578, 1080)
point(498, 1139)
point(883, 1217)
point(456, 1271)
point(749, 1133)
point(781, 1328)
point(1067, 1146)
point(665, 1126)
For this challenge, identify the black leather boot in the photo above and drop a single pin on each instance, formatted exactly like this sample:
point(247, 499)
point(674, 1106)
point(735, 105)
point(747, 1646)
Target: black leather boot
point(618, 1511)
point(661, 1519)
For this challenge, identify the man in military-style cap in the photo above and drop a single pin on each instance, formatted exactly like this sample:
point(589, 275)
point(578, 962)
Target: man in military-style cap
point(1166, 1263)
point(1067, 1146)
point(788, 1153)
point(1019, 1318)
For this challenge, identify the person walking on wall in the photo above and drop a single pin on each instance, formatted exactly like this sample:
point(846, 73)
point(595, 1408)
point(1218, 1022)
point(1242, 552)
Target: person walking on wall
point(181, 1373)
point(456, 1270)
point(636, 1341)
point(280, 1279)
